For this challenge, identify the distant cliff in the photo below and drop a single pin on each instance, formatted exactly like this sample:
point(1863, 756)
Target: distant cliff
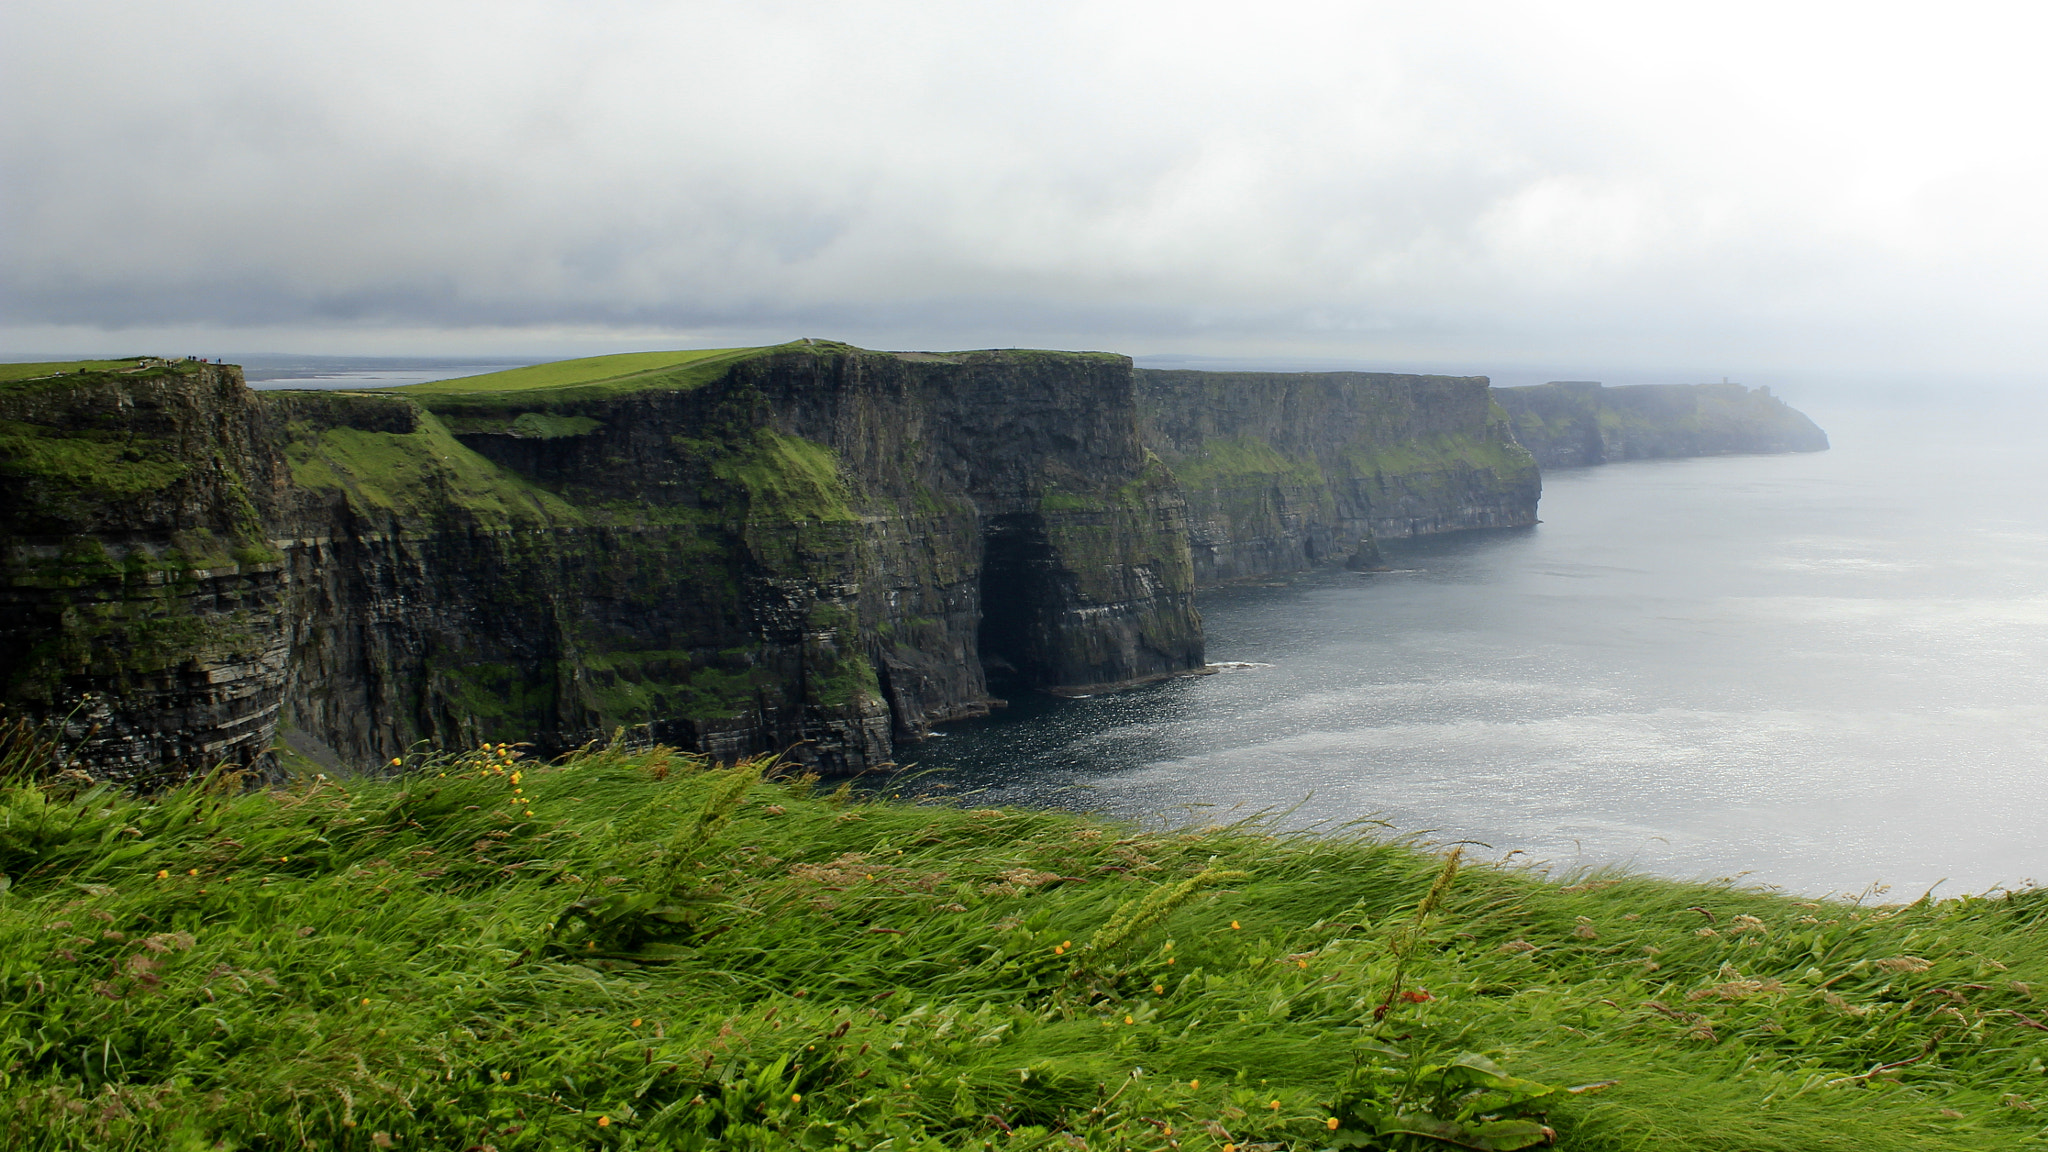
point(1567, 423)
point(810, 546)
point(1286, 470)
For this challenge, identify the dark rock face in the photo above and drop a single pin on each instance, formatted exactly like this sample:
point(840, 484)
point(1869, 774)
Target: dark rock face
point(817, 549)
point(1288, 470)
point(1568, 423)
point(141, 596)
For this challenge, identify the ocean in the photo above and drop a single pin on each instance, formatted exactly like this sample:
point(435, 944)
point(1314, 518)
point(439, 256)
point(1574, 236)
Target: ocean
point(1826, 673)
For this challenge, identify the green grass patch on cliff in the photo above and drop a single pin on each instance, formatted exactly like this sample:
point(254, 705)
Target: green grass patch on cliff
point(636, 687)
point(87, 461)
point(629, 950)
point(594, 376)
point(1224, 462)
point(1497, 454)
point(425, 475)
point(10, 373)
point(785, 478)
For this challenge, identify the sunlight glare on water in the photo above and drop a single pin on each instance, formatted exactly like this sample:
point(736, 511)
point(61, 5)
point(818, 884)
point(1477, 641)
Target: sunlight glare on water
point(1820, 671)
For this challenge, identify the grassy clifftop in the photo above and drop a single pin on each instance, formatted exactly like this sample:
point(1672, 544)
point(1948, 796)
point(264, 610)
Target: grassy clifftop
point(595, 377)
point(630, 951)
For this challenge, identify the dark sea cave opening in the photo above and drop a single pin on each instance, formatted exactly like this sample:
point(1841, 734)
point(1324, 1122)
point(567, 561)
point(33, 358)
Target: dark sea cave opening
point(1018, 603)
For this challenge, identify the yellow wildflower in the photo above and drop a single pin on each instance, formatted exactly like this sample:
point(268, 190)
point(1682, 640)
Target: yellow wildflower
point(165, 875)
point(1233, 926)
point(395, 761)
point(1196, 1084)
point(796, 1098)
point(1333, 1123)
point(604, 1121)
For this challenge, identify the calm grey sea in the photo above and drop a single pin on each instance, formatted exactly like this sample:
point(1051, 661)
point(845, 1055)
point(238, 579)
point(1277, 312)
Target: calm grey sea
point(1822, 672)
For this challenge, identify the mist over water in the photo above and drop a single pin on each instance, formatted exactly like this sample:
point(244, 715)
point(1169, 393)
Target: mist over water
point(1821, 672)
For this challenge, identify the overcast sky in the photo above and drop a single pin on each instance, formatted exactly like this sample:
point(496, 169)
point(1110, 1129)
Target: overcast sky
point(1714, 188)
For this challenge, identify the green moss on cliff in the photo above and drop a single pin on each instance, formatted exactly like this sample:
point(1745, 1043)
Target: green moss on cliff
point(1441, 453)
point(837, 673)
point(1222, 462)
point(635, 687)
point(426, 474)
point(105, 464)
point(541, 426)
point(785, 478)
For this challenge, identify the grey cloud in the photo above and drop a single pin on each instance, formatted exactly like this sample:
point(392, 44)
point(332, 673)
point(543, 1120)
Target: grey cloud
point(1468, 179)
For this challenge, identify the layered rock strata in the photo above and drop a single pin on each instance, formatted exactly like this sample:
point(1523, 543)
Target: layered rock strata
point(810, 547)
point(1570, 423)
point(1288, 470)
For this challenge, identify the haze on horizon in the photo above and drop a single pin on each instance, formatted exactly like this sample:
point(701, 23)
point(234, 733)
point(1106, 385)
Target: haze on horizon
point(1749, 187)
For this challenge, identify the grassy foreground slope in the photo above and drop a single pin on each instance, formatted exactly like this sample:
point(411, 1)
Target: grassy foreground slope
point(630, 950)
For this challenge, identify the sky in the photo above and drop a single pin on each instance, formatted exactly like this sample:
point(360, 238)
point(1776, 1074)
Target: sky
point(1719, 190)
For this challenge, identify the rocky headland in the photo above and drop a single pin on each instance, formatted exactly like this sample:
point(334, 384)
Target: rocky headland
point(1570, 423)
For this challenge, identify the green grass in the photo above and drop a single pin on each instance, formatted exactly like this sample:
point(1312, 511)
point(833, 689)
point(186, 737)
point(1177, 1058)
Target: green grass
point(425, 473)
point(630, 951)
point(10, 373)
point(594, 376)
point(105, 464)
point(786, 478)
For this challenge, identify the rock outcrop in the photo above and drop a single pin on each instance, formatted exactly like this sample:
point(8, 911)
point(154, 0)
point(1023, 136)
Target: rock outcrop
point(1569, 423)
point(1287, 470)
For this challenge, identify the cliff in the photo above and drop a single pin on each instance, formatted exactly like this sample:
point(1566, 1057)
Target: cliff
point(1568, 423)
point(807, 545)
point(1287, 470)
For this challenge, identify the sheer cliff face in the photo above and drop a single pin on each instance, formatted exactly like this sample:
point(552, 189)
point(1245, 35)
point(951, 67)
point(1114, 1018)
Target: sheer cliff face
point(1284, 471)
point(815, 547)
point(1568, 423)
point(810, 547)
point(141, 596)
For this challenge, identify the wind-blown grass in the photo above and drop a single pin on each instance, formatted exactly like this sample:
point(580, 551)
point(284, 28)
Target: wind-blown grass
point(632, 950)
